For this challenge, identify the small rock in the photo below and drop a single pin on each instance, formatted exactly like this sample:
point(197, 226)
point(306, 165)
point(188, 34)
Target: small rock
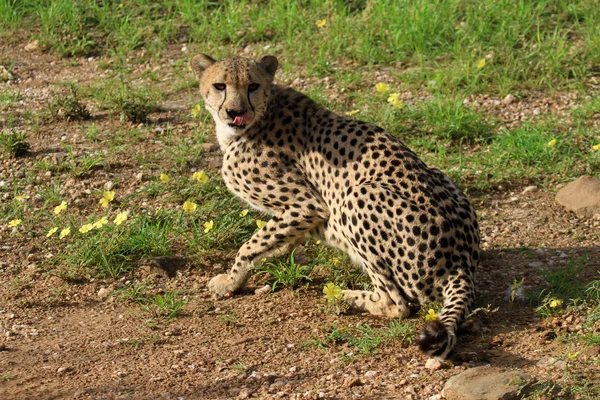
point(509, 99)
point(245, 393)
point(433, 364)
point(32, 46)
point(352, 382)
point(263, 290)
point(370, 374)
point(103, 292)
point(548, 362)
point(530, 189)
point(63, 370)
point(210, 147)
point(581, 196)
point(108, 185)
point(484, 383)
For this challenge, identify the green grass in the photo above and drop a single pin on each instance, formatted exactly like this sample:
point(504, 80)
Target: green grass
point(166, 305)
point(113, 250)
point(285, 272)
point(546, 43)
point(14, 144)
point(364, 338)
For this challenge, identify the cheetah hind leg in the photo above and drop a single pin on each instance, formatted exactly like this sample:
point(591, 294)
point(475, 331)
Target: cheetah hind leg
point(377, 303)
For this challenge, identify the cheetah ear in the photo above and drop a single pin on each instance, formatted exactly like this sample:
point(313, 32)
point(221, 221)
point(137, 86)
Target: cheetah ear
point(199, 63)
point(269, 64)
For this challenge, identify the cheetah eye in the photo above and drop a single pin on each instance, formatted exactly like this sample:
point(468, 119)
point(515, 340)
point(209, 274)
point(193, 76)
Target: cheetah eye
point(253, 87)
point(219, 86)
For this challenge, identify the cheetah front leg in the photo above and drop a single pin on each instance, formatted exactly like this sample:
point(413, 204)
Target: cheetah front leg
point(289, 228)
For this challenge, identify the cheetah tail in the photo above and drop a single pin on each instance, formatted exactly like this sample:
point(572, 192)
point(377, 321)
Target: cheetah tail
point(436, 339)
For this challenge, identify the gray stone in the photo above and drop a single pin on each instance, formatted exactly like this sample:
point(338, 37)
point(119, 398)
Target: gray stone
point(581, 196)
point(484, 383)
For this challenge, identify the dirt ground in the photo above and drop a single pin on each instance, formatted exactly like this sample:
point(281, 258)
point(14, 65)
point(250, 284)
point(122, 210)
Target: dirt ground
point(65, 340)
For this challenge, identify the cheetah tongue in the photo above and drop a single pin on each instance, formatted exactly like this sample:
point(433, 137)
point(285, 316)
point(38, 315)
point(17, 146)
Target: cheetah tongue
point(240, 119)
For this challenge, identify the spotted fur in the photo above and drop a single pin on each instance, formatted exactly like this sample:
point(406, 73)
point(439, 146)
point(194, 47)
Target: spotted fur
point(349, 183)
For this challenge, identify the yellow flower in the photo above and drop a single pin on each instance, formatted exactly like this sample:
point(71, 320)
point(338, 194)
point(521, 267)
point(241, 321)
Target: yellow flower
point(260, 223)
point(189, 206)
point(100, 223)
point(164, 178)
point(556, 303)
point(481, 63)
point(200, 176)
point(14, 222)
point(573, 356)
point(21, 198)
point(208, 226)
point(551, 143)
point(321, 23)
point(64, 232)
point(58, 209)
point(121, 217)
point(351, 113)
point(107, 197)
point(244, 213)
point(335, 261)
point(86, 228)
point(332, 291)
point(382, 87)
point(196, 110)
point(51, 232)
point(431, 316)
point(596, 147)
point(395, 100)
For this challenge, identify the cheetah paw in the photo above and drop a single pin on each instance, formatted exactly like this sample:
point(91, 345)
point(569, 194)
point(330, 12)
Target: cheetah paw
point(221, 285)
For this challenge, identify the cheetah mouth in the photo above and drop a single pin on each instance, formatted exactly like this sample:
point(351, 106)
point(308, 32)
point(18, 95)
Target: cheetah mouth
point(239, 121)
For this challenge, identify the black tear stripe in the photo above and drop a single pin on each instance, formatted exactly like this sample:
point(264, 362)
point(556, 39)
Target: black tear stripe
point(250, 102)
point(222, 103)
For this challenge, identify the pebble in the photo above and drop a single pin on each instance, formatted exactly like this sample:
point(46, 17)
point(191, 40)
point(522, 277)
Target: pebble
point(263, 290)
point(433, 364)
point(63, 370)
point(530, 189)
point(509, 99)
point(103, 292)
point(31, 46)
point(370, 374)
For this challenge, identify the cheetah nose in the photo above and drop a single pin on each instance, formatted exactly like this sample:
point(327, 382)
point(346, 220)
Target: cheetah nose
point(234, 113)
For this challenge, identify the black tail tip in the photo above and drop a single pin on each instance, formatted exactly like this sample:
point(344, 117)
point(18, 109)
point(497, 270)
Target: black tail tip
point(434, 339)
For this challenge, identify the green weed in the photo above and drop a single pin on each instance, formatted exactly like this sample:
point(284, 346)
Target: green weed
point(80, 165)
point(165, 305)
point(14, 144)
point(68, 106)
point(286, 273)
point(9, 97)
point(229, 318)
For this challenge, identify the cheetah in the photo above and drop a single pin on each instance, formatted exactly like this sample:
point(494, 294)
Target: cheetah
point(347, 182)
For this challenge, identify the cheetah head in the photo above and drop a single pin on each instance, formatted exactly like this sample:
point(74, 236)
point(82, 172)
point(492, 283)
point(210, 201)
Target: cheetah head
point(235, 90)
